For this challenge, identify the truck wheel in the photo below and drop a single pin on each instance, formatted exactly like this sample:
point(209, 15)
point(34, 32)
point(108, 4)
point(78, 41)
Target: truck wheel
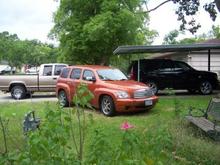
point(205, 87)
point(63, 100)
point(18, 92)
point(153, 86)
point(107, 106)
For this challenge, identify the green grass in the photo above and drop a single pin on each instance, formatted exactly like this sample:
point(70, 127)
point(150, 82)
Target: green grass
point(167, 137)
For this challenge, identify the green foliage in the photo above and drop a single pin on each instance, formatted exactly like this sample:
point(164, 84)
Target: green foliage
point(90, 30)
point(17, 52)
point(158, 136)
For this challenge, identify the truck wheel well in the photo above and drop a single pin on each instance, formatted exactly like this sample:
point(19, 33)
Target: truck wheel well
point(16, 84)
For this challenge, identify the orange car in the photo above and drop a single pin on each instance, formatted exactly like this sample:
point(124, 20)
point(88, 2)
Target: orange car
point(112, 91)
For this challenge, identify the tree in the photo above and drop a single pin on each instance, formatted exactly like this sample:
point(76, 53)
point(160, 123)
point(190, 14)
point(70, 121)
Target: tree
point(171, 37)
point(90, 30)
point(17, 52)
point(186, 9)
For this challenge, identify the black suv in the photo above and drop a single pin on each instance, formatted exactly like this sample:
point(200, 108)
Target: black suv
point(164, 73)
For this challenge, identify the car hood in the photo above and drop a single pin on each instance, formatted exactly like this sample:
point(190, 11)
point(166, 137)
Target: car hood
point(125, 84)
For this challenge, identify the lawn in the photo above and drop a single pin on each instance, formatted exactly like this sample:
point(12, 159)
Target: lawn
point(164, 135)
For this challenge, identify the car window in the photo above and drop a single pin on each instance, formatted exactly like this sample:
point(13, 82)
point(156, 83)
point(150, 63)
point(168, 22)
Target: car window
point(166, 66)
point(111, 74)
point(149, 66)
point(58, 69)
point(181, 66)
point(47, 70)
point(76, 73)
point(88, 73)
point(65, 72)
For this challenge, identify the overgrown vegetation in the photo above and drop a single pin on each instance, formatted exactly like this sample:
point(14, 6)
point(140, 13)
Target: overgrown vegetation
point(160, 136)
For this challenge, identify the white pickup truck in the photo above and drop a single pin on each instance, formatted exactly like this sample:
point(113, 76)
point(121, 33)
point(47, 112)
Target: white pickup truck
point(22, 85)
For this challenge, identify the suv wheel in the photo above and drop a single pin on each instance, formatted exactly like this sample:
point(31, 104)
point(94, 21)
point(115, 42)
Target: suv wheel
point(205, 87)
point(62, 97)
point(153, 86)
point(18, 92)
point(107, 106)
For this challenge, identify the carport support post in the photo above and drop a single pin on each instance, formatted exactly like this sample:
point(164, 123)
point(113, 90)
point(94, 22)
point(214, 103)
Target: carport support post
point(209, 59)
point(138, 78)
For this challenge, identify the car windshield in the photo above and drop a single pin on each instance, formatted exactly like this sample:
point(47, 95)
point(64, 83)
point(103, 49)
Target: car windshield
point(111, 74)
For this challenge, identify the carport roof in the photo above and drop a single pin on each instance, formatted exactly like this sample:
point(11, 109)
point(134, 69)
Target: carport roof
point(165, 48)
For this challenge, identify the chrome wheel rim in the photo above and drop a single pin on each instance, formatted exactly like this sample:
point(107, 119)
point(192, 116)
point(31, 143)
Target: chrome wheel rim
point(62, 99)
point(17, 93)
point(106, 106)
point(205, 87)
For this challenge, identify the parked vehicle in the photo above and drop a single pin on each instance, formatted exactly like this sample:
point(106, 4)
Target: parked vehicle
point(164, 73)
point(32, 70)
point(21, 85)
point(112, 91)
point(6, 69)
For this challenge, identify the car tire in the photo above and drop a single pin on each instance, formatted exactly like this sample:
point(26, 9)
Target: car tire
point(18, 92)
point(107, 105)
point(205, 88)
point(153, 86)
point(63, 100)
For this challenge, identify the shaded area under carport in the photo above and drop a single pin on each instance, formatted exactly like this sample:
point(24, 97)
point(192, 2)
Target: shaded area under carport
point(135, 49)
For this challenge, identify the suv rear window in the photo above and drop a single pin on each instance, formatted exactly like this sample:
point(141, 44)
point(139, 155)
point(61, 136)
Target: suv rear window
point(65, 72)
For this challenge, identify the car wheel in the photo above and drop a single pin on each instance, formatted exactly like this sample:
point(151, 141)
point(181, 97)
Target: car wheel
point(18, 92)
point(63, 100)
point(205, 87)
point(153, 86)
point(107, 106)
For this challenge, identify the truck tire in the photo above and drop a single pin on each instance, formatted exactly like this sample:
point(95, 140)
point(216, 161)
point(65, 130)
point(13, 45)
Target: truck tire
point(107, 105)
point(18, 92)
point(63, 100)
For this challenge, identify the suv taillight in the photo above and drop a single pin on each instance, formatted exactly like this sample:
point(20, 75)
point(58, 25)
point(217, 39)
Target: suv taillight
point(132, 74)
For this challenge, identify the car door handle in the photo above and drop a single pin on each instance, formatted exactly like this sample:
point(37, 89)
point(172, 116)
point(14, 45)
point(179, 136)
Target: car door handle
point(54, 78)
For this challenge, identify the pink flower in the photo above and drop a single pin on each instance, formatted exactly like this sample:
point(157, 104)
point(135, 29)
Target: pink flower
point(125, 126)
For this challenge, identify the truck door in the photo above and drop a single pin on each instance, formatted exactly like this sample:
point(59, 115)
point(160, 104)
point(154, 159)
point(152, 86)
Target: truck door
point(165, 74)
point(184, 77)
point(46, 81)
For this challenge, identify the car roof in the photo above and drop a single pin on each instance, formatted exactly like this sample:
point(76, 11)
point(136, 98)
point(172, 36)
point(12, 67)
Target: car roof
point(95, 67)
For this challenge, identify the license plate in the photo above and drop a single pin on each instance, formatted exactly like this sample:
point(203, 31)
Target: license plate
point(148, 102)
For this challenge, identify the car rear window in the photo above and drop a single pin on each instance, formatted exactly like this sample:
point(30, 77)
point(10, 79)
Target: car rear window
point(65, 72)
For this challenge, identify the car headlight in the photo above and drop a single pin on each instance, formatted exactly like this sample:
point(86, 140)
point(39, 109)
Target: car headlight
point(122, 95)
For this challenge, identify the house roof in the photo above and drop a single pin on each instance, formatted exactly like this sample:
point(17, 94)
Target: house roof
point(207, 45)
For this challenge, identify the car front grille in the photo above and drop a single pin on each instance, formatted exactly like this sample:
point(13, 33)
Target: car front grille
point(143, 93)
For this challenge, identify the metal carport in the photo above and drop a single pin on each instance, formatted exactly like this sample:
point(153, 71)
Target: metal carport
point(167, 48)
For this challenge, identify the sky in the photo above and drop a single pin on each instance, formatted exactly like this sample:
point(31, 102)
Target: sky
point(33, 19)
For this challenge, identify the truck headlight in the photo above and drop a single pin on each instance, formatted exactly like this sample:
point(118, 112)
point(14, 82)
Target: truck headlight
point(122, 95)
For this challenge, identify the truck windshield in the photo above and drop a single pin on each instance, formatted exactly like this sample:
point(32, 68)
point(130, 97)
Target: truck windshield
point(111, 74)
